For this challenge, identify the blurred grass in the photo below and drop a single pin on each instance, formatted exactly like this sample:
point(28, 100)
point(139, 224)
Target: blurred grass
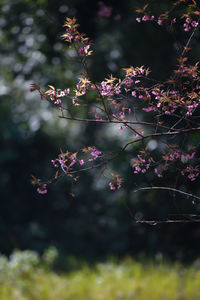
point(26, 276)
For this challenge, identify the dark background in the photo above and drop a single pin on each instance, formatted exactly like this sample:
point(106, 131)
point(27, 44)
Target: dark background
point(96, 223)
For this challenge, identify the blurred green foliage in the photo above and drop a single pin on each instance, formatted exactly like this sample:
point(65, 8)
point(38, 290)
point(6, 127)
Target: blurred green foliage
point(96, 222)
point(25, 275)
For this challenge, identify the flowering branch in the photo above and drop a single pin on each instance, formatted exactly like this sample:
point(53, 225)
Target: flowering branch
point(172, 105)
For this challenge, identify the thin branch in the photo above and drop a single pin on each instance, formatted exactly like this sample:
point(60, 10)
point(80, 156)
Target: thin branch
point(190, 38)
point(125, 122)
point(154, 222)
point(167, 189)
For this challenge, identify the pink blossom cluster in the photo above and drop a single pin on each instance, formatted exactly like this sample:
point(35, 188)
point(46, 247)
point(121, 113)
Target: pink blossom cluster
point(170, 110)
point(159, 20)
point(34, 87)
point(112, 186)
point(128, 81)
point(54, 162)
point(104, 10)
point(141, 164)
point(81, 162)
point(83, 51)
point(69, 36)
point(115, 183)
point(189, 23)
point(145, 95)
point(62, 162)
point(82, 86)
point(65, 160)
point(42, 189)
point(150, 108)
point(95, 154)
point(56, 95)
point(138, 134)
point(192, 173)
point(72, 161)
point(174, 155)
point(133, 72)
point(109, 88)
point(191, 108)
point(106, 89)
point(145, 18)
point(156, 171)
point(186, 157)
point(187, 71)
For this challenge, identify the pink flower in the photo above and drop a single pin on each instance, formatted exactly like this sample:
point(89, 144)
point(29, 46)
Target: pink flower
point(67, 91)
point(158, 174)
point(81, 162)
point(148, 109)
point(62, 163)
point(133, 93)
point(95, 155)
point(69, 37)
point(81, 51)
point(141, 70)
point(191, 176)
point(98, 152)
point(137, 169)
point(135, 136)
point(194, 24)
point(187, 27)
point(159, 21)
point(42, 190)
point(54, 163)
point(188, 20)
point(31, 90)
point(138, 20)
point(58, 101)
point(111, 185)
point(117, 90)
point(73, 161)
point(104, 10)
point(118, 184)
point(145, 18)
point(167, 112)
point(154, 93)
point(62, 94)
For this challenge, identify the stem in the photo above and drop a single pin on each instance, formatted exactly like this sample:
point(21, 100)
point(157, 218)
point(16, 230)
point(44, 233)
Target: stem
point(167, 189)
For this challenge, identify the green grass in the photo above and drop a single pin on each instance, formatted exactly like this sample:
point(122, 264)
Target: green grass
point(27, 278)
